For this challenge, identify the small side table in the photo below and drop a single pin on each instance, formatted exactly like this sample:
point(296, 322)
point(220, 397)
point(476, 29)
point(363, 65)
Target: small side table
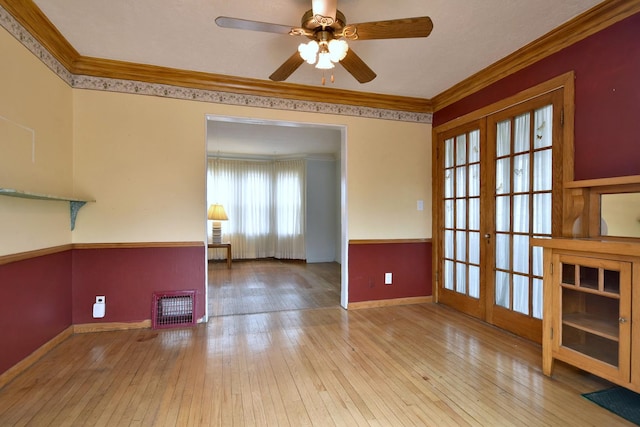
point(223, 245)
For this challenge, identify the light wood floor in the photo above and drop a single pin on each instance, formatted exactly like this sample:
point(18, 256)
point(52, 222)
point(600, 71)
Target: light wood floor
point(268, 285)
point(423, 365)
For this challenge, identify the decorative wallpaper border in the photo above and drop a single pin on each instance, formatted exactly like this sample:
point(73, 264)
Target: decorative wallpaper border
point(168, 91)
point(23, 36)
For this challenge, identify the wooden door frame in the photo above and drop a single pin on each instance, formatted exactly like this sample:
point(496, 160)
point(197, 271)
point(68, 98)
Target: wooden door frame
point(566, 82)
point(476, 310)
point(522, 325)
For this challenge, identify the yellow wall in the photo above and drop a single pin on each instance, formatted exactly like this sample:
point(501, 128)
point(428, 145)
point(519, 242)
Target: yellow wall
point(389, 170)
point(621, 214)
point(142, 159)
point(36, 133)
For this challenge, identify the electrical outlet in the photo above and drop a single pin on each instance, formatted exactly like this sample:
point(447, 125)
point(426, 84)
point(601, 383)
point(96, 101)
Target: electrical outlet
point(100, 307)
point(388, 279)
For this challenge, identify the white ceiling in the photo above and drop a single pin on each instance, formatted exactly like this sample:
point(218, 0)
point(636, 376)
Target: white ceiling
point(231, 137)
point(468, 36)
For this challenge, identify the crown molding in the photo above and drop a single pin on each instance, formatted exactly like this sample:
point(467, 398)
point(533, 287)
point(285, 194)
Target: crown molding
point(26, 22)
point(590, 22)
point(31, 18)
point(32, 28)
point(98, 67)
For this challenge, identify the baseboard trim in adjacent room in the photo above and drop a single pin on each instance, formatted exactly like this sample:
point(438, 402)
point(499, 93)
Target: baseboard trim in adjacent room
point(25, 363)
point(388, 302)
point(112, 326)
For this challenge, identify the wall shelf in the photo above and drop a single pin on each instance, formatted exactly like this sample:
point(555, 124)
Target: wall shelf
point(602, 182)
point(74, 204)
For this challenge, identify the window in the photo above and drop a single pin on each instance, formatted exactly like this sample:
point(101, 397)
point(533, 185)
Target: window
point(265, 203)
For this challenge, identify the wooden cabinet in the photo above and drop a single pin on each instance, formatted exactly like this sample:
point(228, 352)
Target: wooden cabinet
point(588, 321)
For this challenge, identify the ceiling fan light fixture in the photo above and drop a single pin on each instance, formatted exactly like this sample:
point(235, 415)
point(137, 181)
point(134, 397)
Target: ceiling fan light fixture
point(324, 54)
point(309, 51)
point(324, 61)
point(338, 50)
point(327, 29)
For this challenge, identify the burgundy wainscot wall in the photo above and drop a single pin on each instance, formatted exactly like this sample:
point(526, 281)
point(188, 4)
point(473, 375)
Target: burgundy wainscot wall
point(42, 296)
point(409, 263)
point(35, 304)
point(127, 277)
point(607, 70)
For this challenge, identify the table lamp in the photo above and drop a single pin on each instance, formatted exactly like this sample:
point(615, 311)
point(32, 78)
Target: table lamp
point(216, 213)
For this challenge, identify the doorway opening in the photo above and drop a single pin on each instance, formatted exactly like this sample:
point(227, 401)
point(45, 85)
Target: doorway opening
point(259, 281)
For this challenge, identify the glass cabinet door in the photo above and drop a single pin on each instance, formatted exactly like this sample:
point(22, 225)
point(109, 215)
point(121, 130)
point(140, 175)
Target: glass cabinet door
point(595, 311)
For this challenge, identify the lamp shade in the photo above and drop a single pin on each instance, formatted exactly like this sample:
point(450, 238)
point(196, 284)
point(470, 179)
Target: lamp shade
point(216, 212)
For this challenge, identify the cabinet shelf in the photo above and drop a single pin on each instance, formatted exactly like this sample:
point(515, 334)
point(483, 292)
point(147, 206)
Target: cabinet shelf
point(604, 328)
point(591, 291)
point(599, 354)
point(74, 203)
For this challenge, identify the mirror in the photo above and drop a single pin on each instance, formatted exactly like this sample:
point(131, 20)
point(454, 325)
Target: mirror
point(620, 214)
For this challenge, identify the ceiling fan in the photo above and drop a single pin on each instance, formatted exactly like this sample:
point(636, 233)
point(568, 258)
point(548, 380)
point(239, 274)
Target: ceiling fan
point(327, 29)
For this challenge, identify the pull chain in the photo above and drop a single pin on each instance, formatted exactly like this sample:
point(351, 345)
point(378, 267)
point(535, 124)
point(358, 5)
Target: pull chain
point(324, 80)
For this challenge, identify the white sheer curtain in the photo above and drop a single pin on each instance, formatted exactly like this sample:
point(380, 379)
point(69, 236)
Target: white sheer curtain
point(516, 191)
point(503, 212)
point(289, 209)
point(542, 195)
point(265, 203)
point(521, 215)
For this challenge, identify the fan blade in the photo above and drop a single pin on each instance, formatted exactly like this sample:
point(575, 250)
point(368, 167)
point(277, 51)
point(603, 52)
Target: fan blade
point(286, 69)
point(392, 29)
point(356, 66)
point(245, 24)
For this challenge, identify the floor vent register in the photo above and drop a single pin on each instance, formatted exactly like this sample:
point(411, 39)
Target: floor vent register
point(173, 309)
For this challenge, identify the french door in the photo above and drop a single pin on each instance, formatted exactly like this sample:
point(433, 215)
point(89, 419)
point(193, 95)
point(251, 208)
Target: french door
point(499, 186)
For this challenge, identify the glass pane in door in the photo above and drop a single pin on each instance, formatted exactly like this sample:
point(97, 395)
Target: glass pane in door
point(461, 237)
point(522, 208)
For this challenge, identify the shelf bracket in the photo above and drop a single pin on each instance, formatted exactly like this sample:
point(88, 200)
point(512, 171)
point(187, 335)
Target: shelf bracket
point(74, 204)
point(74, 207)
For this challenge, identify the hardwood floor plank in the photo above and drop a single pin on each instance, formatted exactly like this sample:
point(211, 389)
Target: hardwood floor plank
point(306, 381)
point(488, 416)
point(269, 285)
point(421, 364)
point(118, 387)
point(269, 391)
point(394, 397)
point(145, 383)
point(467, 382)
point(31, 395)
point(334, 397)
point(293, 405)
